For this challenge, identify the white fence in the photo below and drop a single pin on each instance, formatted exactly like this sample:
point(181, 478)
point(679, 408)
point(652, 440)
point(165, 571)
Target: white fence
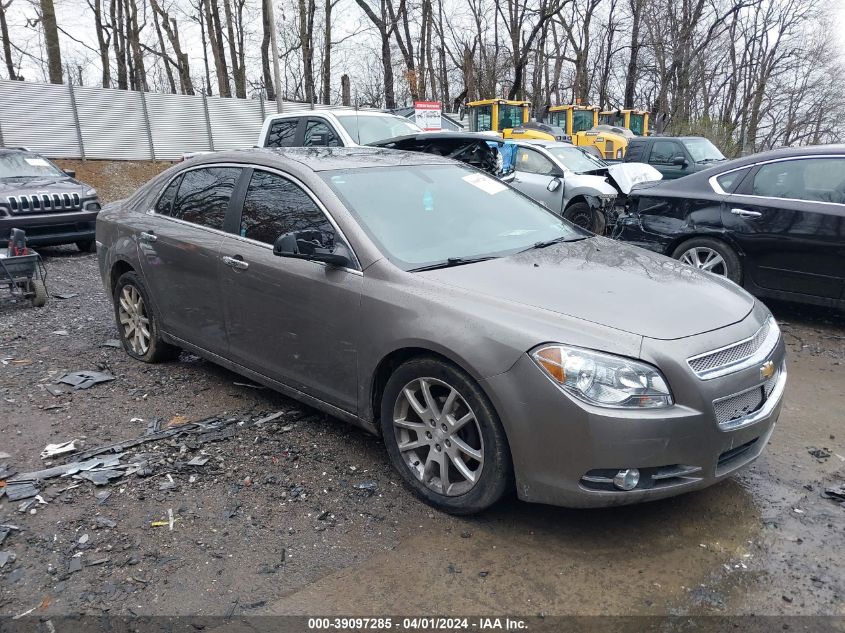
point(62, 121)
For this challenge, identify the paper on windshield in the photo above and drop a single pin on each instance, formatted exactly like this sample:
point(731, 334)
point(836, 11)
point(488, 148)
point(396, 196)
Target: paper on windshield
point(486, 184)
point(627, 175)
point(37, 162)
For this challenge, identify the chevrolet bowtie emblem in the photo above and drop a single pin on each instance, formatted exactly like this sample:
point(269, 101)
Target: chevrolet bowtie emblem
point(767, 370)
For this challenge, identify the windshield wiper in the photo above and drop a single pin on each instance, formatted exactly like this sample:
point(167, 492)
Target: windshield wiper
point(557, 240)
point(451, 261)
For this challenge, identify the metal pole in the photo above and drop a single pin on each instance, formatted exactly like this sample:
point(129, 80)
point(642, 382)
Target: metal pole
point(260, 103)
point(276, 73)
point(76, 117)
point(2, 142)
point(207, 122)
point(147, 121)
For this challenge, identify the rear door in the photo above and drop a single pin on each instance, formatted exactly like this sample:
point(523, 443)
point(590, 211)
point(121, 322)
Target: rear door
point(179, 253)
point(285, 132)
point(534, 172)
point(320, 133)
point(293, 320)
point(789, 218)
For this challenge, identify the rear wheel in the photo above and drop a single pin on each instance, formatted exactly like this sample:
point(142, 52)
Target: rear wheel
point(444, 437)
point(87, 246)
point(138, 324)
point(39, 298)
point(714, 256)
point(580, 214)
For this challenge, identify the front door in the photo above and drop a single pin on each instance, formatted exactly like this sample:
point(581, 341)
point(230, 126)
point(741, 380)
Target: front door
point(789, 218)
point(665, 157)
point(534, 173)
point(293, 320)
point(178, 243)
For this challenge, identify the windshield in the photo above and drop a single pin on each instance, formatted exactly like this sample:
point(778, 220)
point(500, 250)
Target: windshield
point(431, 213)
point(702, 150)
point(576, 160)
point(26, 166)
point(510, 116)
point(557, 118)
point(370, 129)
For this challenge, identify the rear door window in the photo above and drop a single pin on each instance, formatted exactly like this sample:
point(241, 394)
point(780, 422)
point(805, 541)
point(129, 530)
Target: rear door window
point(320, 133)
point(282, 133)
point(203, 196)
point(730, 181)
point(275, 206)
point(813, 179)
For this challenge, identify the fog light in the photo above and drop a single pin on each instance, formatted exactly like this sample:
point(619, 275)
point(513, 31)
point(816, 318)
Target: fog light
point(627, 479)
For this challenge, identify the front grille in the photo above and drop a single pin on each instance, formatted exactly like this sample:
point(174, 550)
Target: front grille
point(45, 203)
point(731, 409)
point(730, 355)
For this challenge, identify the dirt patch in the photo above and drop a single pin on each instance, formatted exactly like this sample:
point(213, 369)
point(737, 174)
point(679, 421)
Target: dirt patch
point(114, 179)
point(277, 521)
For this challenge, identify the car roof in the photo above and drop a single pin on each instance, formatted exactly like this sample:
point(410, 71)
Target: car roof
point(542, 143)
point(336, 111)
point(324, 158)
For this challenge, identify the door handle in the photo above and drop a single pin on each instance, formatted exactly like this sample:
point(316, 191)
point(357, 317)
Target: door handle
point(745, 213)
point(235, 262)
point(148, 237)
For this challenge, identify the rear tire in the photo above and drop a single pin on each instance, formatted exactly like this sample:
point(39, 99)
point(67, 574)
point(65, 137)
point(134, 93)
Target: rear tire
point(137, 323)
point(450, 427)
point(580, 214)
point(87, 246)
point(711, 255)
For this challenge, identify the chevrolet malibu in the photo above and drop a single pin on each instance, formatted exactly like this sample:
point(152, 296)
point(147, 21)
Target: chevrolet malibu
point(493, 345)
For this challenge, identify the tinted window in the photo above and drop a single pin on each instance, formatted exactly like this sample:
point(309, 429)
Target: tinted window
point(165, 202)
point(319, 133)
point(282, 133)
point(816, 179)
point(275, 206)
point(533, 162)
point(729, 182)
point(481, 118)
point(662, 152)
point(203, 195)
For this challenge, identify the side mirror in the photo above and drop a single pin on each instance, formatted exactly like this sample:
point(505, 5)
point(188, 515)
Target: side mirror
point(302, 245)
point(680, 161)
point(554, 184)
point(69, 172)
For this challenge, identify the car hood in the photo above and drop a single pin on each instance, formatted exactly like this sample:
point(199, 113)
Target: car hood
point(39, 186)
point(611, 284)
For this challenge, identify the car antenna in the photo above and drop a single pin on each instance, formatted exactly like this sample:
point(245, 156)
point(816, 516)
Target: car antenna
point(357, 123)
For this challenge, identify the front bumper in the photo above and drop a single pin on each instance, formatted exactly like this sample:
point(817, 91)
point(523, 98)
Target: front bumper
point(565, 452)
point(46, 229)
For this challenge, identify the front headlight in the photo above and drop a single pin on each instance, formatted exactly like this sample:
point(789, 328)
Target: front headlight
point(90, 192)
point(602, 379)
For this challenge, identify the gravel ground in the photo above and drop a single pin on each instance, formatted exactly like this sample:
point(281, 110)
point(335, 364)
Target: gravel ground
point(274, 523)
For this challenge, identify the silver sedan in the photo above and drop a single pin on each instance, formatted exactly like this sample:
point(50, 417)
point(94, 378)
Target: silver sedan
point(493, 345)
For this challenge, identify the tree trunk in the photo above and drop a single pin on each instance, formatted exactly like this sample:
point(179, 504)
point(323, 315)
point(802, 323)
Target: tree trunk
point(327, 54)
point(345, 91)
point(7, 44)
point(119, 43)
point(203, 31)
point(51, 41)
point(134, 34)
point(215, 37)
point(102, 42)
point(164, 56)
point(237, 74)
point(306, 39)
point(268, 23)
point(386, 60)
point(633, 61)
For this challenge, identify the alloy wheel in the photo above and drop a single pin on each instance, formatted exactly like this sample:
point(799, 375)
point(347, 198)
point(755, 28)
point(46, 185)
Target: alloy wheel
point(133, 318)
point(705, 258)
point(438, 436)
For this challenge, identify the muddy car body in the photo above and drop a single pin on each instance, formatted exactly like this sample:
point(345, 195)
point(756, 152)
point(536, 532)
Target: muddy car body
point(456, 317)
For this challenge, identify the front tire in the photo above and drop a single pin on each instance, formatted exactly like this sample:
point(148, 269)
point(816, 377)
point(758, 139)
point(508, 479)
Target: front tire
point(137, 322)
point(444, 437)
point(711, 255)
point(580, 214)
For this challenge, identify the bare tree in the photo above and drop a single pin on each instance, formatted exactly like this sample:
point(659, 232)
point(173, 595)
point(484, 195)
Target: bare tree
point(385, 27)
point(7, 42)
point(51, 41)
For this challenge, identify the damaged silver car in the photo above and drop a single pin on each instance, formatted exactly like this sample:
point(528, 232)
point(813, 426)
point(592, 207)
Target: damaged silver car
point(492, 345)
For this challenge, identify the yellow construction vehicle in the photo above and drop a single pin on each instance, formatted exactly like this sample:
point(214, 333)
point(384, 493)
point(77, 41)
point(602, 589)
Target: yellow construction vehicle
point(581, 124)
point(511, 120)
point(634, 120)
